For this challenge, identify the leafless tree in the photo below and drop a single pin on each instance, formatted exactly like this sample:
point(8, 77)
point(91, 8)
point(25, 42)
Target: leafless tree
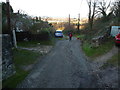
point(116, 9)
point(103, 7)
point(92, 4)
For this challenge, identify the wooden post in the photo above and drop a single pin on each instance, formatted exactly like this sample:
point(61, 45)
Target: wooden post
point(78, 22)
point(14, 39)
point(69, 19)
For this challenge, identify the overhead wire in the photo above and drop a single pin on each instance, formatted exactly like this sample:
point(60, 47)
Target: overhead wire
point(81, 4)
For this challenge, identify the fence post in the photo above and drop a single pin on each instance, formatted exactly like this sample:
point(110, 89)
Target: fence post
point(14, 39)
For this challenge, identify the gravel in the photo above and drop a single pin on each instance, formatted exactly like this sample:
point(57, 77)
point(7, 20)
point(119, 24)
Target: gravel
point(64, 67)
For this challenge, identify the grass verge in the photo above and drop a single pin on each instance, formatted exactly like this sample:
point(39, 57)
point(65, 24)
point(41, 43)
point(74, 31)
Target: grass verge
point(101, 50)
point(80, 36)
point(34, 43)
point(113, 62)
point(21, 57)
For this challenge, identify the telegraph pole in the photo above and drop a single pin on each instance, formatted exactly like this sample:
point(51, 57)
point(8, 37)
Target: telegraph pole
point(9, 22)
point(78, 22)
point(8, 18)
point(69, 19)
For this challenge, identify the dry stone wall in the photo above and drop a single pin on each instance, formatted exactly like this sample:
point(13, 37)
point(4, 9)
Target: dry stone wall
point(7, 57)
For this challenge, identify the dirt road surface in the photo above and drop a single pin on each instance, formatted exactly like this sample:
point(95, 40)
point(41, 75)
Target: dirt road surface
point(64, 67)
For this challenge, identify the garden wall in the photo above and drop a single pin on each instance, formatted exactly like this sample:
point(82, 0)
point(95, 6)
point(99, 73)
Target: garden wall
point(7, 57)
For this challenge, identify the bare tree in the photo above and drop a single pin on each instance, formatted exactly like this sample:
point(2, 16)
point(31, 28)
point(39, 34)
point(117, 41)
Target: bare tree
point(92, 11)
point(116, 9)
point(104, 7)
point(89, 5)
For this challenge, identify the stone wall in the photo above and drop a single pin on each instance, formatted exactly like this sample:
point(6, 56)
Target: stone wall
point(0, 62)
point(7, 57)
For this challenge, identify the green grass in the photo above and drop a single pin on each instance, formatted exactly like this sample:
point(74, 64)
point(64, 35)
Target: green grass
point(24, 57)
point(80, 36)
point(12, 81)
point(60, 38)
point(34, 43)
point(111, 62)
point(21, 57)
point(95, 52)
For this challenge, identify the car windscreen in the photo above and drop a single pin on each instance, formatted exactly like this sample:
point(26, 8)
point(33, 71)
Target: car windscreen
point(58, 31)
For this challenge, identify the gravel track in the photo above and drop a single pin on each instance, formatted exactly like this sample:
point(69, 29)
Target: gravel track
point(63, 67)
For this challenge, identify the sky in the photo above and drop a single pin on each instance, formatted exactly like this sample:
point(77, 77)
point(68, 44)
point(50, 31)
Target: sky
point(51, 8)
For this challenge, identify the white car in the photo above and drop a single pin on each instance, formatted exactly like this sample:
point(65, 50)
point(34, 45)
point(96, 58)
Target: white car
point(58, 33)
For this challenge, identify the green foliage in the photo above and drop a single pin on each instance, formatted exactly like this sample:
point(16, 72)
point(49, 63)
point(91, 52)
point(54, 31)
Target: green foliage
point(40, 27)
point(21, 57)
point(35, 27)
point(26, 22)
point(22, 21)
point(42, 30)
